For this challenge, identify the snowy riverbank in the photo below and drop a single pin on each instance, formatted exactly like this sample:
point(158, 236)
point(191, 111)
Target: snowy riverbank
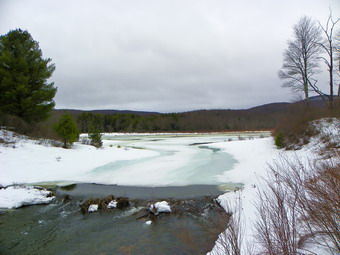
point(18, 196)
point(254, 159)
point(156, 160)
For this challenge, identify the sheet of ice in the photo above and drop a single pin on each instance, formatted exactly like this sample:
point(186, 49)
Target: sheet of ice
point(93, 208)
point(18, 196)
point(150, 161)
point(180, 161)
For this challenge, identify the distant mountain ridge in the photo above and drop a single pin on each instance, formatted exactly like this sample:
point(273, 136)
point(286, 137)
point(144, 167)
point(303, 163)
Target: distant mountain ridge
point(263, 117)
point(271, 107)
point(107, 111)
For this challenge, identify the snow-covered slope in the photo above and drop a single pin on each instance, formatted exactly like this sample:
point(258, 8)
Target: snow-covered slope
point(254, 158)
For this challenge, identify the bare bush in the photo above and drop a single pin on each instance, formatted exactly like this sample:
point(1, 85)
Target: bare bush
point(300, 206)
point(277, 225)
point(322, 204)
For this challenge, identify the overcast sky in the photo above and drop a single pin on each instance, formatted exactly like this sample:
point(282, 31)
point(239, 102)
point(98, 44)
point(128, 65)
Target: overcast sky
point(164, 55)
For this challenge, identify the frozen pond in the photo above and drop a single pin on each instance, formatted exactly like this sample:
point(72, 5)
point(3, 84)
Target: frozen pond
point(131, 159)
point(177, 160)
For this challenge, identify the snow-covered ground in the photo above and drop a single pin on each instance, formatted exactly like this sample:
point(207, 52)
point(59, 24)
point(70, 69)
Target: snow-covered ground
point(28, 162)
point(135, 159)
point(160, 160)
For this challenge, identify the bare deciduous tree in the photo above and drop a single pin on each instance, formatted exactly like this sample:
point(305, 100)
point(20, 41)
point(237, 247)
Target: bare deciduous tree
point(329, 47)
point(301, 59)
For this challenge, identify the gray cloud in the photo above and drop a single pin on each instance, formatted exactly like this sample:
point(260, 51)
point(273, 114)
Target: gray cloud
point(163, 55)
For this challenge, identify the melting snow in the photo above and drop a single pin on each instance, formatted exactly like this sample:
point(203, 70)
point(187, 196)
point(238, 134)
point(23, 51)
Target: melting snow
point(17, 196)
point(112, 204)
point(160, 207)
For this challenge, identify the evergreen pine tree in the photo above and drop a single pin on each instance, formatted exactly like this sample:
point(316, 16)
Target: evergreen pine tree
point(24, 88)
point(96, 138)
point(67, 129)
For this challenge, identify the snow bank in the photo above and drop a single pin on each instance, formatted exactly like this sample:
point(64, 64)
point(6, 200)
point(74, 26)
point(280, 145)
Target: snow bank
point(254, 158)
point(17, 196)
point(328, 126)
point(329, 133)
point(160, 207)
point(25, 161)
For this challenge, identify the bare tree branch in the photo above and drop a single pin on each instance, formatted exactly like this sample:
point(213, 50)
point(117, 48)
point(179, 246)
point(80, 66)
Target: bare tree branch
point(329, 48)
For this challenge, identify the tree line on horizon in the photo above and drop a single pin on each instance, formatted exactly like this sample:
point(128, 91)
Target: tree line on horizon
point(209, 120)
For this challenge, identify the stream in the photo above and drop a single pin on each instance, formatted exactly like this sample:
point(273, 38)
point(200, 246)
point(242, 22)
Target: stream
point(60, 228)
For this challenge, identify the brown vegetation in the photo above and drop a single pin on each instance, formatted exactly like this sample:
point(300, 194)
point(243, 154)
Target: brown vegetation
point(122, 202)
point(294, 129)
point(34, 130)
point(300, 206)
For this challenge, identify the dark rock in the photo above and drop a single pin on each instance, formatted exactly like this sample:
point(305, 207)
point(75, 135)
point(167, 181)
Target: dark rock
point(122, 202)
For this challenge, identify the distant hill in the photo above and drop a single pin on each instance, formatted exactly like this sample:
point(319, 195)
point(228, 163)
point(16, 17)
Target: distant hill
point(261, 117)
point(273, 107)
point(107, 111)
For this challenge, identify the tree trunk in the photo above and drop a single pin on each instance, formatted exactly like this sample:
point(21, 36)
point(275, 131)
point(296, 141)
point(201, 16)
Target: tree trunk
point(331, 76)
point(306, 93)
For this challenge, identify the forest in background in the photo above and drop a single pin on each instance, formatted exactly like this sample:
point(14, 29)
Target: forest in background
point(265, 117)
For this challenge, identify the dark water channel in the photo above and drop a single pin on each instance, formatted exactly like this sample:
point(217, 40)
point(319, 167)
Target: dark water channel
point(60, 228)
